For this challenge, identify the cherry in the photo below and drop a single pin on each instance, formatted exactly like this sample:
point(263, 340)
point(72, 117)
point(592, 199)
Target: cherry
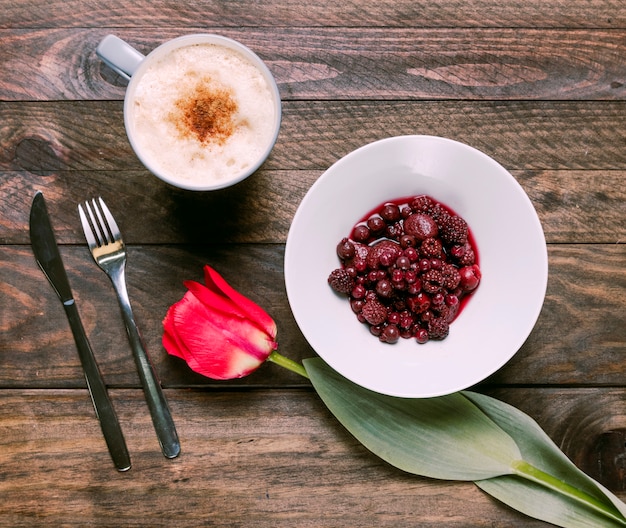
point(408, 241)
point(361, 233)
point(403, 263)
point(421, 336)
point(376, 224)
point(358, 292)
point(390, 212)
point(384, 288)
point(470, 278)
point(345, 249)
point(390, 334)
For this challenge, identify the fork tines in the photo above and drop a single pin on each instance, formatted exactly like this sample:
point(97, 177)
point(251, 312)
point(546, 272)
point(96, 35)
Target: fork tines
point(99, 230)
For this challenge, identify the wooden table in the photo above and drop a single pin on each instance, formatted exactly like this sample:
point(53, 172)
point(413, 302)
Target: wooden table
point(538, 85)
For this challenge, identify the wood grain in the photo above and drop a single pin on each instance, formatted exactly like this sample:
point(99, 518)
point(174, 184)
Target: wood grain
point(237, 463)
point(314, 134)
point(574, 206)
point(538, 85)
point(578, 340)
point(356, 63)
point(277, 13)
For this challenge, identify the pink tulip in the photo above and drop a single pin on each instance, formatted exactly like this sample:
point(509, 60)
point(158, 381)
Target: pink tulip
point(219, 333)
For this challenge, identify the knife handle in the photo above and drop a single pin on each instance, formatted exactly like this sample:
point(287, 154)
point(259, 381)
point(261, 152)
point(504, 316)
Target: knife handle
point(98, 391)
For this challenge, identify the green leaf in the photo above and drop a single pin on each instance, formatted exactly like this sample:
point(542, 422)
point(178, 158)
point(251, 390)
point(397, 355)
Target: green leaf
point(470, 436)
point(446, 437)
point(542, 503)
point(581, 503)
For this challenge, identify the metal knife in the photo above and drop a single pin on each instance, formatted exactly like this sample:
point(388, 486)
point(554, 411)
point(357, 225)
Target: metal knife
point(49, 259)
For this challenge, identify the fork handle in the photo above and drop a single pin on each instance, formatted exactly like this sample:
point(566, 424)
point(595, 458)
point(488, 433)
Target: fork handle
point(97, 389)
point(159, 409)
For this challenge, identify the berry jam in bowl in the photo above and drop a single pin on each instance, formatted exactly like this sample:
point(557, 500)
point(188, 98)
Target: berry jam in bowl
point(492, 321)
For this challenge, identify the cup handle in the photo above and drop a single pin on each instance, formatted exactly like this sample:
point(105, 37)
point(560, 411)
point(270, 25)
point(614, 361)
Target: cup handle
point(119, 55)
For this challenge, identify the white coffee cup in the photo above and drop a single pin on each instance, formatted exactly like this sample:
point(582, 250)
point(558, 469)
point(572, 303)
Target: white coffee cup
point(248, 108)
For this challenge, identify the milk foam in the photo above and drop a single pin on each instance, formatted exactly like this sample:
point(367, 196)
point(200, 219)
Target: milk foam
point(186, 158)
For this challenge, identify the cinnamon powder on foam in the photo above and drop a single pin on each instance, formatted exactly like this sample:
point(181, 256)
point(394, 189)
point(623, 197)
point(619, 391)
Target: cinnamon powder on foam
point(206, 113)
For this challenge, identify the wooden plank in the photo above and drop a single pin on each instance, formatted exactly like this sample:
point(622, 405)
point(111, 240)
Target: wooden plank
point(277, 13)
point(267, 458)
point(578, 340)
point(357, 63)
point(574, 206)
point(521, 135)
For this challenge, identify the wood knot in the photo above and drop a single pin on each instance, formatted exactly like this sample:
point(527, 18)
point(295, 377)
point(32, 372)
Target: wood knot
point(111, 77)
point(36, 156)
point(605, 460)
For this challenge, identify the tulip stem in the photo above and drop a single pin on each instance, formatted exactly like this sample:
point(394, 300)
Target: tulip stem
point(289, 364)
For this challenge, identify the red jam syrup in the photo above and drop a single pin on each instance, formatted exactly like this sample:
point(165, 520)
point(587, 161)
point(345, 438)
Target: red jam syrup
point(408, 268)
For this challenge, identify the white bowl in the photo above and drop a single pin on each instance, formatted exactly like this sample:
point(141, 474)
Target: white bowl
point(512, 255)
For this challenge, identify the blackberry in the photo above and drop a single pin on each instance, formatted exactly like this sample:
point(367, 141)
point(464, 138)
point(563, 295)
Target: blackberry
point(451, 277)
point(422, 204)
point(438, 328)
point(431, 247)
point(453, 230)
point(432, 281)
point(341, 281)
point(439, 214)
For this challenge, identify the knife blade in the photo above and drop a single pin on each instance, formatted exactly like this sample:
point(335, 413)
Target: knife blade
point(49, 259)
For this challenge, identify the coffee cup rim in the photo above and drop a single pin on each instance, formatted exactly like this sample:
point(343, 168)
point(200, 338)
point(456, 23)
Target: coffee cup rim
point(190, 40)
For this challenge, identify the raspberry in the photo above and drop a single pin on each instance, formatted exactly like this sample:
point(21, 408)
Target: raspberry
point(432, 281)
point(374, 312)
point(438, 328)
point(341, 281)
point(384, 251)
point(421, 226)
point(453, 230)
point(419, 303)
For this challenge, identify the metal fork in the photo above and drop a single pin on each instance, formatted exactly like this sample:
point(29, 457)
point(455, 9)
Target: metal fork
point(108, 250)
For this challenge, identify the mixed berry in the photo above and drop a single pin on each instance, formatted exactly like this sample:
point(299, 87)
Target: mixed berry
point(407, 269)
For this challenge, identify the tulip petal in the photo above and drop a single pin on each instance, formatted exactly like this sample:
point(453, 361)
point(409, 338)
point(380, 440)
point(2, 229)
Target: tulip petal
point(214, 344)
point(214, 300)
point(215, 282)
point(170, 341)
